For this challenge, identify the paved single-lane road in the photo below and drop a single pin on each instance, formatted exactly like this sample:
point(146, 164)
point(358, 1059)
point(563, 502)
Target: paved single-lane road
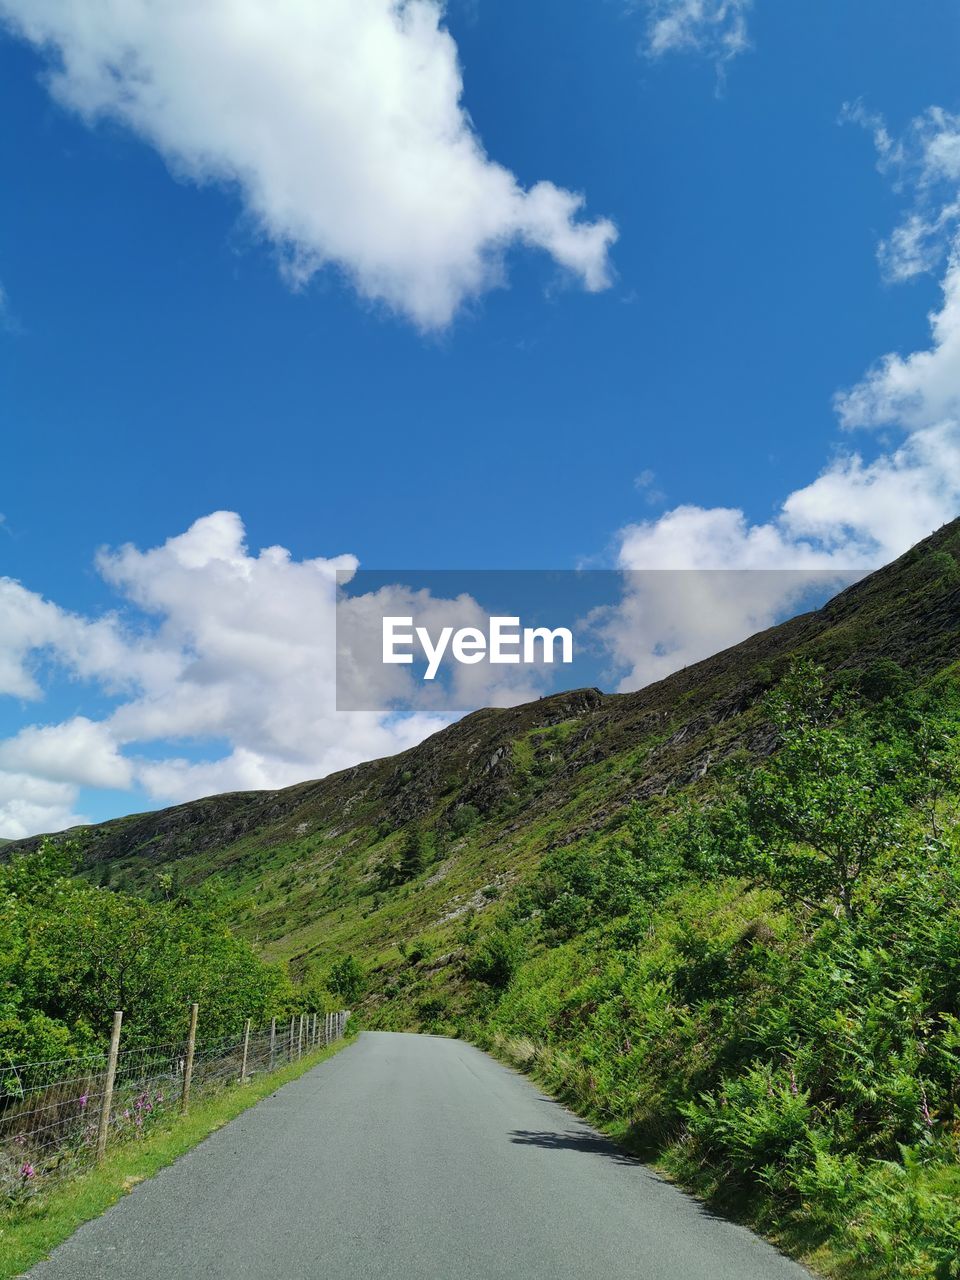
point(410, 1158)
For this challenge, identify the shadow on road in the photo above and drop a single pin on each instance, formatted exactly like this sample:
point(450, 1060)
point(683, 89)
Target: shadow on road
point(572, 1140)
point(592, 1143)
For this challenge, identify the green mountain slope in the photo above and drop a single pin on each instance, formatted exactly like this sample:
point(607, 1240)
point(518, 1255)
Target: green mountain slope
point(495, 792)
point(720, 916)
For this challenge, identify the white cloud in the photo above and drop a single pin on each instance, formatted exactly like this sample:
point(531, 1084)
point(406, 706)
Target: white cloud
point(79, 751)
point(91, 648)
point(716, 29)
point(240, 648)
point(918, 390)
point(924, 161)
point(235, 648)
point(857, 514)
point(341, 126)
point(668, 619)
point(29, 805)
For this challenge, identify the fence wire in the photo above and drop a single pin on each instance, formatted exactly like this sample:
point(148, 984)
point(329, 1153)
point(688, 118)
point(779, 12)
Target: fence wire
point(50, 1112)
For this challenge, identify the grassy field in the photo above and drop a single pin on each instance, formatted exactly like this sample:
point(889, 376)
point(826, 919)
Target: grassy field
point(28, 1234)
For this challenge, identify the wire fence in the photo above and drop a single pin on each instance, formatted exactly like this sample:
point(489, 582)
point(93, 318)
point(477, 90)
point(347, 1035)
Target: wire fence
point(60, 1116)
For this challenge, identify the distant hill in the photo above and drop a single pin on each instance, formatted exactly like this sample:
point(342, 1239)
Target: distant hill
point(495, 792)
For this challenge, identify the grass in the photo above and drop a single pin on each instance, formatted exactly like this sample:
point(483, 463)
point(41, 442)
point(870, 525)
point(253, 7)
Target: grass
point(29, 1233)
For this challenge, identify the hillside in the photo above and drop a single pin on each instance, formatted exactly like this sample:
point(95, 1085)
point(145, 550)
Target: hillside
point(719, 916)
point(498, 790)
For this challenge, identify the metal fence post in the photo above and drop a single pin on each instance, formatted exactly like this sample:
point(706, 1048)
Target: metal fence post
point(246, 1048)
point(188, 1066)
point(104, 1127)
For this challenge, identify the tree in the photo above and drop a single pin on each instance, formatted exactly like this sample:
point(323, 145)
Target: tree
point(71, 953)
point(347, 979)
point(828, 807)
point(412, 860)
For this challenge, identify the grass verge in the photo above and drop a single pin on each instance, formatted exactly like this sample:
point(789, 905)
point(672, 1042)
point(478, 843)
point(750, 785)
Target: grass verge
point(28, 1234)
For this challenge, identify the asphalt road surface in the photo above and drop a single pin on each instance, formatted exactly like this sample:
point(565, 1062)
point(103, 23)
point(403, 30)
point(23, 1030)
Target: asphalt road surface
point(410, 1158)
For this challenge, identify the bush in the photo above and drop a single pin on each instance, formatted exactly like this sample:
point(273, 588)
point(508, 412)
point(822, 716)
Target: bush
point(347, 979)
point(496, 958)
point(465, 818)
point(71, 953)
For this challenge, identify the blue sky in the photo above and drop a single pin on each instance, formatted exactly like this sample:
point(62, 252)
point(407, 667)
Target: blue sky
point(604, 405)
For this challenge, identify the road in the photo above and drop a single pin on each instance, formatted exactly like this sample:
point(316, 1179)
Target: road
point(410, 1158)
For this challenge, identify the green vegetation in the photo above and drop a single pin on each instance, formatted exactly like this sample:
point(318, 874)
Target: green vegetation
point(719, 915)
point(71, 953)
point(346, 980)
point(28, 1233)
point(762, 990)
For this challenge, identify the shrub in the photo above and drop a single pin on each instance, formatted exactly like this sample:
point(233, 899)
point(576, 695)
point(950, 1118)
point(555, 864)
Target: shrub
point(347, 979)
point(496, 957)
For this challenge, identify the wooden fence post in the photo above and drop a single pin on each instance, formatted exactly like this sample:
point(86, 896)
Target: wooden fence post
point(103, 1129)
point(273, 1042)
point(246, 1047)
point(313, 1031)
point(300, 1037)
point(326, 1029)
point(290, 1044)
point(188, 1066)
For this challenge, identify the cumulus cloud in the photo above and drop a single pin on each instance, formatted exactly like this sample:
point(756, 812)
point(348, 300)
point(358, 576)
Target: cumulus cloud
point(714, 28)
point(31, 627)
point(720, 577)
point(920, 389)
point(29, 804)
point(229, 647)
point(79, 751)
point(859, 513)
point(233, 646)
point(340, 125)
point(670, 618)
